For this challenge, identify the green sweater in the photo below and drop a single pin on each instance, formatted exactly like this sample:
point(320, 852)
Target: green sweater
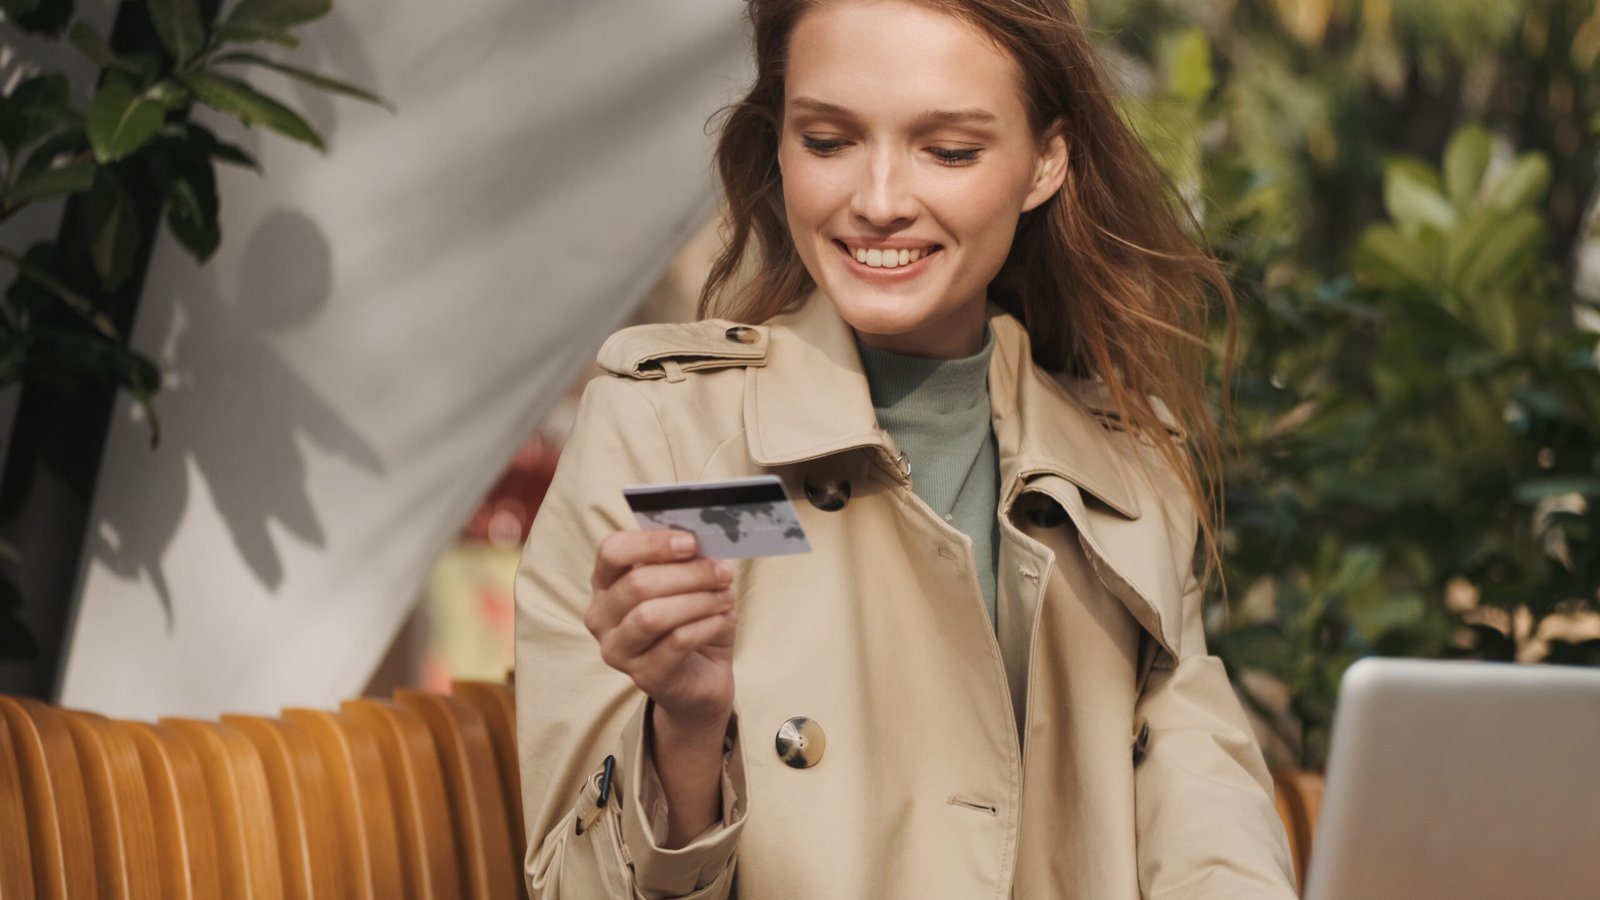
point(937, 411)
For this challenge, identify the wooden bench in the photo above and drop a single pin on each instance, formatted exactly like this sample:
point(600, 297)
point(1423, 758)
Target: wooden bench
point(411, 799)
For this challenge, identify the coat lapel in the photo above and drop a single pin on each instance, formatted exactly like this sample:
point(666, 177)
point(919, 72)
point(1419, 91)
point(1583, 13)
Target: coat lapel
point(811, 400)
point(1052, 444)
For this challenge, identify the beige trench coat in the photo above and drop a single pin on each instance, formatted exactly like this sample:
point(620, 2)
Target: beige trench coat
point(928, 786)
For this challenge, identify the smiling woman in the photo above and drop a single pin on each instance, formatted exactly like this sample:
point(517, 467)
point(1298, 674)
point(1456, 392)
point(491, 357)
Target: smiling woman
point(968, 287)
point(916, 145)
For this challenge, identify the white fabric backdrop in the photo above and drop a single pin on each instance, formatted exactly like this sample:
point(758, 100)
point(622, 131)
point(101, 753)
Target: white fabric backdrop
point(380, 330)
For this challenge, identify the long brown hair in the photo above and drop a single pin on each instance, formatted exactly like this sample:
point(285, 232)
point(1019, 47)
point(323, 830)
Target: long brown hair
point(1108, 277)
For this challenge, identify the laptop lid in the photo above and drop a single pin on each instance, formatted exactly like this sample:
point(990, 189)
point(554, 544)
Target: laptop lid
point(1461, 780)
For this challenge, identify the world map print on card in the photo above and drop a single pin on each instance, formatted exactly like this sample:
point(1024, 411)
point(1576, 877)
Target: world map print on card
point(735, 519)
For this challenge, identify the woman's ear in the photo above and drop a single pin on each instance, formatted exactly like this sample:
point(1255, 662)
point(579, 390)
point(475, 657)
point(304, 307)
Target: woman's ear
point(1050, 170)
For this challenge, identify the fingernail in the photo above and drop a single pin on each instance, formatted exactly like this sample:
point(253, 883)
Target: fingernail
point(724, 572)
point(682, 543)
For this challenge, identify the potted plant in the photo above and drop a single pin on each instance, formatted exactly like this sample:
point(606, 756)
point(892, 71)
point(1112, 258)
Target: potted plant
point(124, 153)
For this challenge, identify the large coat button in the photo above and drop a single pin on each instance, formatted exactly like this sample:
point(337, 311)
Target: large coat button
point(741, 334)
point(829, 495)
point(801, 743)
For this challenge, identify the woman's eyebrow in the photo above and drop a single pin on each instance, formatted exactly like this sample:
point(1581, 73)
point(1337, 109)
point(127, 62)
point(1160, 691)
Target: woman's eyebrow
point(810, 105)
point(971, 116)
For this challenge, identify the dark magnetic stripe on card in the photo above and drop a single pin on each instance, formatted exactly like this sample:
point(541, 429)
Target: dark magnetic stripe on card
point(695, 498)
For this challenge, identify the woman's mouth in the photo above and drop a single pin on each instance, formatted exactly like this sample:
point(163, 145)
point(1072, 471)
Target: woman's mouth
point(885, 259)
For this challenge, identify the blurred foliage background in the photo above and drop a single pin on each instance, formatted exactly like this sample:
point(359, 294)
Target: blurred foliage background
point(1403, 193)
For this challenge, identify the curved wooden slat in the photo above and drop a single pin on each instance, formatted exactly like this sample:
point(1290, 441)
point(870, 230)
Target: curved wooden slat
point(180, 807)
point(1287, 799)
point(119, 808)
point(241, 807)
point(16, 869)
point(471, 778)
point(303, 807)
point(427, 836)
point(1309, 786)
point(369, 845)
point(53, 799)
point(498, 704)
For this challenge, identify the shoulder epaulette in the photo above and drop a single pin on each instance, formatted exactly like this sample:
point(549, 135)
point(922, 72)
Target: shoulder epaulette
point(1095, 397)
point(670, 351)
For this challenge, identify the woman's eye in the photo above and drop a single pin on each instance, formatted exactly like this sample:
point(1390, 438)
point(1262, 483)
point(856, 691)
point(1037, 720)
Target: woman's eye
point(955, 157)
point(821, 146)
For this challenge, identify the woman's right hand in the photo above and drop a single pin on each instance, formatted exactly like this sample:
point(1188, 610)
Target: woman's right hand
point(666, 619)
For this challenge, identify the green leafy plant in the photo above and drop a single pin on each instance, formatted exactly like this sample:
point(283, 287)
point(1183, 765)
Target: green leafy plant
point(1399, 191)
point(137, 118)
point(123, 160)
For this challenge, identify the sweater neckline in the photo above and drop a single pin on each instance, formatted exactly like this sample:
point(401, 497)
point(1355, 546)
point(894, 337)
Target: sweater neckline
point(928, 386)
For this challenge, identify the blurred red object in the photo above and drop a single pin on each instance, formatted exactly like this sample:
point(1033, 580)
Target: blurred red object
point(504, 517)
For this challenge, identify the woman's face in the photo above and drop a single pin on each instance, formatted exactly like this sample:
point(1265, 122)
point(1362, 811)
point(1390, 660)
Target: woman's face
point(907, 159)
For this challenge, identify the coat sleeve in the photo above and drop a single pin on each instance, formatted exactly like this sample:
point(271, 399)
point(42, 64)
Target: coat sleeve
point(1207, 823)
point(573, 711)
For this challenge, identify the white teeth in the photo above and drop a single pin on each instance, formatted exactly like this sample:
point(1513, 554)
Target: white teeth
point(887, 259)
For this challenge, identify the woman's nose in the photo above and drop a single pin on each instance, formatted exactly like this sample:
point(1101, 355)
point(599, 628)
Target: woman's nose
point(884, 195)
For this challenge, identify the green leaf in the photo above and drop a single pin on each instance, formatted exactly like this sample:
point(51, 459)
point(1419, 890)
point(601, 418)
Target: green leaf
point(36, 286)
point(192, 215)
point(189, 181)
point(251, 34)
point(144, 67)
point(1188, 59)
point(48, 184)
point(1414, 199)
point(1503, 253)
point(217, 148)
point(58, 149)
point(1383, 253)
point(1358, 565)
point(116, 231)
point(1524, 183)
point(122, 118)
point(34, 109)
point(45, 17)
point(249, 106)
point(92, 45)
point(277, 14)
point(318, 81)
point(1465, 161)
point(45, 91)
point(179, 27)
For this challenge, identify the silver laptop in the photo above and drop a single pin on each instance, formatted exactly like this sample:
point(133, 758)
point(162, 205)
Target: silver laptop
point(1459, 781)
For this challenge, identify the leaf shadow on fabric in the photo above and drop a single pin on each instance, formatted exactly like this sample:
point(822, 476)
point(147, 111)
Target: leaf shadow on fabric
point(219, 355)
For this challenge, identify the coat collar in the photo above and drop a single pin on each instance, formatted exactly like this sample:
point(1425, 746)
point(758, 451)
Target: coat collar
point(811, 399)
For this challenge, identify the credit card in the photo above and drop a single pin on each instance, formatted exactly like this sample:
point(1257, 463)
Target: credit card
point(739, 518)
